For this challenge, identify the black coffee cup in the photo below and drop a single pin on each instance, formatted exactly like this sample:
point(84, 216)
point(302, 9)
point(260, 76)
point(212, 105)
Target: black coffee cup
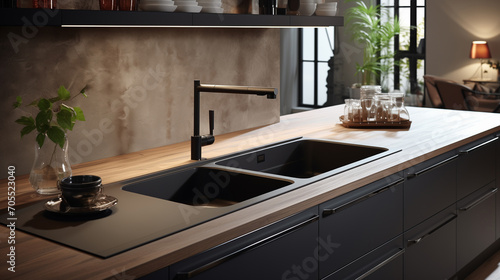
point(81, 190)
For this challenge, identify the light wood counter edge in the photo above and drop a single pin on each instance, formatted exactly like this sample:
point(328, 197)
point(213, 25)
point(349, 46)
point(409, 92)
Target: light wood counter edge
point(44, 255)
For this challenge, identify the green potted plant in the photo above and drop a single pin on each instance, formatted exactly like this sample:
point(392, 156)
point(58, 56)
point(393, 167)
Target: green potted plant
point(53, 120)
point(367, 28)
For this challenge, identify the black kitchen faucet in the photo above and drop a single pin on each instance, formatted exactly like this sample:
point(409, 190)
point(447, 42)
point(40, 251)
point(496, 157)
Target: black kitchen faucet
point(197, 140)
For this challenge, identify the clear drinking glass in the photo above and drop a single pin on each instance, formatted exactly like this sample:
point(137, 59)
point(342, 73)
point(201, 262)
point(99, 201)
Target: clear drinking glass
point(367, 105)
point(356, 110)
point(347, 110)
point(381, 107)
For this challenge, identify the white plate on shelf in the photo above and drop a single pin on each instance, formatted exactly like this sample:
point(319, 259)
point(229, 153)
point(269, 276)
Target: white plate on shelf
point(186, 3)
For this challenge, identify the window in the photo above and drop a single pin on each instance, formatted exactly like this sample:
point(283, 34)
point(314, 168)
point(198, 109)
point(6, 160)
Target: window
point(408, 46)
point(315, 49)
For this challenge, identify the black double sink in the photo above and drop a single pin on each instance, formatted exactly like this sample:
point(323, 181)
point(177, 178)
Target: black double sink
point(258, 174)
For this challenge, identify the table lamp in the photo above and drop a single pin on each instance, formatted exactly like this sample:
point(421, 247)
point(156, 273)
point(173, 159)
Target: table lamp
point(480, 50)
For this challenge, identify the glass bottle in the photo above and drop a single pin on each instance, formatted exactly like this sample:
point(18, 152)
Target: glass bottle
point(399, 103)
point(51, 164)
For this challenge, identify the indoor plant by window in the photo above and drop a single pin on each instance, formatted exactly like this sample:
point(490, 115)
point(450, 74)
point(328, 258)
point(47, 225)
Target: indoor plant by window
point(374, 36)
point(53, 119)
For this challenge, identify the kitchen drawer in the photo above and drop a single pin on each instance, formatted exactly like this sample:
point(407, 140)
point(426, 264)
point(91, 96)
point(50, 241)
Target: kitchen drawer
point(361, 221)
point(430, 251)
point(385, 262)
point(476, 166)
point(430, 187)
point(278, 251)
point(432, 183)
point(475, 224)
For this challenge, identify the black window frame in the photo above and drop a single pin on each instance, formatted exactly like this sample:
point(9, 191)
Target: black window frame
point(413, 55)
point(316, 61)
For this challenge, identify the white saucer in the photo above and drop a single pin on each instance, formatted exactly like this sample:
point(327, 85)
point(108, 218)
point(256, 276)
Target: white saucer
point(58, 205)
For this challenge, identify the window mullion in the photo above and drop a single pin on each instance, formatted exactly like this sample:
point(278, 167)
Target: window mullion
point(316, 54)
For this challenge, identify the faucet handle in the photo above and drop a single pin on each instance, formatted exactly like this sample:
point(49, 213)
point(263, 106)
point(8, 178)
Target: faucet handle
point(211, 119)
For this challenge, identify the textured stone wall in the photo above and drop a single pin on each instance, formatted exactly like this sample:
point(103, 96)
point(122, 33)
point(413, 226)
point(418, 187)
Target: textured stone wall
point(140, 84)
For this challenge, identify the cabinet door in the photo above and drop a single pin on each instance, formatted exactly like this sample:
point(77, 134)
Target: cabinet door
point(476, 166)
point(361, 221)
point(475, 224)
point(432, 183)
point(497, 157)
point(285, 250)
point(431, 248)
point(384, 263)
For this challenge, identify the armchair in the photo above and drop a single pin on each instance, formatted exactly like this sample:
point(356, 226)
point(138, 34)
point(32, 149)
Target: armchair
point(459, 97)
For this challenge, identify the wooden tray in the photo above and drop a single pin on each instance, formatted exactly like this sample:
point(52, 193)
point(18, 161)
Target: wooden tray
point(402, 124)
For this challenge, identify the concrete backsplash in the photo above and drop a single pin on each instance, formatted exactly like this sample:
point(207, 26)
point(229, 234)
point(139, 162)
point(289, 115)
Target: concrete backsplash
point(140, 84)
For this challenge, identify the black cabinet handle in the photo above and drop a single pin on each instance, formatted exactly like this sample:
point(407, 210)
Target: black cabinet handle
point(463, 152)
point(479, 200)
point(432, 230)
point(425, 170)
point(381, 264)
point(232, 255)
point(327, 212)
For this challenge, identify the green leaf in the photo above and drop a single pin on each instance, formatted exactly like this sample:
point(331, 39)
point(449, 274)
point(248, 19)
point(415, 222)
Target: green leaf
point(79, 113)
point(40, 138)
point(63, 93)
point(43, 120)
point(44, 104)
point(18, 102)
point(57, 135)
point(64, 119)
point(26, 121)
point(27, 129)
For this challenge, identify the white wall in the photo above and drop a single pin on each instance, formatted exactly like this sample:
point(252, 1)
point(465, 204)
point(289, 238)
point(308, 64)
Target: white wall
point(451, 27)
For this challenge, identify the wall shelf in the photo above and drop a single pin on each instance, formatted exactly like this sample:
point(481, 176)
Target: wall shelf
point(89, 18)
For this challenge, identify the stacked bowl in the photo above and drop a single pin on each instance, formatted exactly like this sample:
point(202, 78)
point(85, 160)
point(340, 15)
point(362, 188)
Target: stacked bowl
point(328, 8)
point(187, 6)
point(307, 7)
point(211, 6)
point(157, 5)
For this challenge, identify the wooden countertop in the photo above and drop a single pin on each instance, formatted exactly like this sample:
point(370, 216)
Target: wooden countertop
point(433, 132)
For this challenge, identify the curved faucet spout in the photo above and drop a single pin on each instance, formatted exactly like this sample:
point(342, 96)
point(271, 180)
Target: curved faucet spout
point(197, 140)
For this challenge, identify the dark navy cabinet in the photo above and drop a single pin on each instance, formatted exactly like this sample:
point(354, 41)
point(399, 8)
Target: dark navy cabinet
point(476, 195)
point(431, 247)
point(361, 221)
point(430, 187)
point(287, 249)
point(385, 262)
point(476, 166)
point(476, 224)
